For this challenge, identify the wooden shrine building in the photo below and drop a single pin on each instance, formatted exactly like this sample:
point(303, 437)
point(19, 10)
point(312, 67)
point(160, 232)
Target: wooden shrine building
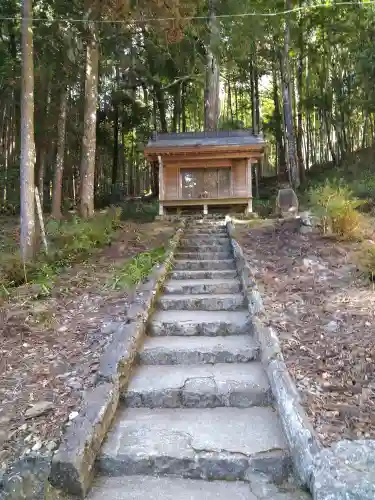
point(205, 170)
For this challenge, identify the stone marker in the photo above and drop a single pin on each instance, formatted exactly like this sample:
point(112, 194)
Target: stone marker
point(286, 203)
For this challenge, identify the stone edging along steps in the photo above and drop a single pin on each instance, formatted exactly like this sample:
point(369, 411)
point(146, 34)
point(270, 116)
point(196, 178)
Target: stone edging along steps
point(199, 403)
point(213, 419)
point(301, 438)
point(72, 467)
point(345, 470)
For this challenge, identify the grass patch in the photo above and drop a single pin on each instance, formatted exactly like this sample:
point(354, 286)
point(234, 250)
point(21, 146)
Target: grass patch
point(139, 211)
point(136, 269)
point(263, 206)
point(70, 241)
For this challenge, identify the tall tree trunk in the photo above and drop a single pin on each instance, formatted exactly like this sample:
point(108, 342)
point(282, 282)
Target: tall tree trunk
point(288, 108)
point(116, 130)
point(236, 101)
point(177, 108)
point(183, 106)
point(43, 121)
point(212, 90)
point(13, 37)
point(256, 95)
point(162, 107)
point(154, 114)
point(27, 240)
point(252, 96)
point(60, 157)
point(89, 127)
point(281, 165)
point(301, 166)
point(230, 107)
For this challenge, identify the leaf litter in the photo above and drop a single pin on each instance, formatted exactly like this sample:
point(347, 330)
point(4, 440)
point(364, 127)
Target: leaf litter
point(323, 312)
point(50, 348)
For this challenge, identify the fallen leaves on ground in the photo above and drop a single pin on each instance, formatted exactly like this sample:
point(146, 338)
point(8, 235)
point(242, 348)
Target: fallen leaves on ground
point(323, 312)
point(50, 349)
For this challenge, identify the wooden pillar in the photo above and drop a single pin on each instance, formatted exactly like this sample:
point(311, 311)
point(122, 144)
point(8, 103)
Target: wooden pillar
point(256, 173)
point(161, 185)
point(249, 208)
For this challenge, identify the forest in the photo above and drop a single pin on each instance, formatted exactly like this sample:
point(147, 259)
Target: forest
point(84, 84)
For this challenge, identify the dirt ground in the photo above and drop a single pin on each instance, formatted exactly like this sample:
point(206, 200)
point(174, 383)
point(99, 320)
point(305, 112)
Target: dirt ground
point(323, 312)
point(49, 349)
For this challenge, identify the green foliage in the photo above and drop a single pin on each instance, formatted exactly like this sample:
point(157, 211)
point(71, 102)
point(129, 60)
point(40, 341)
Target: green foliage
point(366, 260)
point(70, 241)
point(136, 270)
point(139, 211)
point(263, 207)
point(335, 204)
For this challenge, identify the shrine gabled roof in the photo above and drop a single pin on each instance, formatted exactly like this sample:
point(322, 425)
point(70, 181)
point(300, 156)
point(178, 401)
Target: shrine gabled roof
point(222, 138)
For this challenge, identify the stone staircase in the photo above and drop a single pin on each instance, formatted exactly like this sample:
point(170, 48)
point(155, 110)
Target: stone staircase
point(196, 421)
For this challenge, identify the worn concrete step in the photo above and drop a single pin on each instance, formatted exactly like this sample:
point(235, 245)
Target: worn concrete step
point(175, 350)
point(204, 274)
point(203, 255)
point(200, 323)
point(174, 488)
point(168, 488)
point(205, 240)
point(196, 265)
point(194, 235)
point(205, 230)
point(203, 286)
point(212, 443)
point(238, 385)
point(215, 247)
point(205, 302)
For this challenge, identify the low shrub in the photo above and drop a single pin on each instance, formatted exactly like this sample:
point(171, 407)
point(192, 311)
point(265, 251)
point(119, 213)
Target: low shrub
point(337, 208)
point(139, 210)
point(365, 260)
point(262, 206)
point(69, 242)
point(136, 269)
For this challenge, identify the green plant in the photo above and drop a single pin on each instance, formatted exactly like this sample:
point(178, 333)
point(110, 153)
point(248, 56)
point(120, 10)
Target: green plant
point(337, 208)
point(263, 206)
point(70, 241)
point(136, 269)
point(365, 259)
point(139, 211)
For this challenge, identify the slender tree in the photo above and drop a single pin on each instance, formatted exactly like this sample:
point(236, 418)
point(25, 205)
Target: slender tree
point(288, 107)
point(89, 124)
point(27, 135)
point(60, 157)
point(212, 90)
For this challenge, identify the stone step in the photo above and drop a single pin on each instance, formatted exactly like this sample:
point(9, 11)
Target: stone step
point(259, 487)
point(197, 247)
point(210, 443)
point(204, 274)
point(200, 323)
point(190, 235)
point(196, 265)
point(205, 230)
point(238, 385)
point(205, 240)
point(203, 286)
point(203, 255)
point(174, 350)
point(218, 302)
point(168, 488)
